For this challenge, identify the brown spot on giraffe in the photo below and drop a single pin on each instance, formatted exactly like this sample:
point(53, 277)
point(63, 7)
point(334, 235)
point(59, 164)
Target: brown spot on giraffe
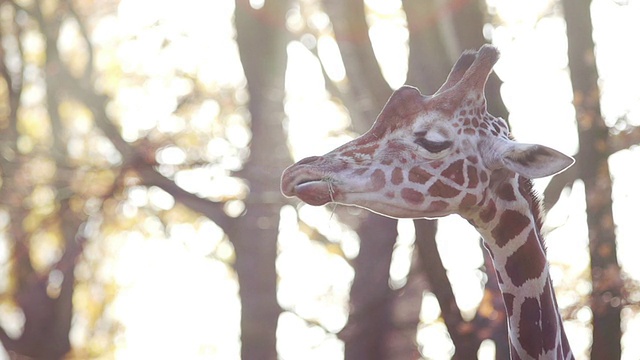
point(412, 196)
point(472, 175)
point(378, 180)
point(489, 212)
point(549, 318)
point(440, 189)
point(438, 205)
point(455, 172)
point(483, 176)
point(511, 225)
point(530, 326)
point(396, 176)
point(419, 175)
point(521, 265)
point(505, 192)
point(468, 201)
point(508, 303)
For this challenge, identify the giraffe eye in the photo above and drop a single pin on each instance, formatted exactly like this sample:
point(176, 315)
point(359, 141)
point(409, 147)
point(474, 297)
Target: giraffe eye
point(433, 146)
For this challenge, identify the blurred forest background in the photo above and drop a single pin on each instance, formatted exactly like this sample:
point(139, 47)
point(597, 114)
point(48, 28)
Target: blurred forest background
point(141, 147)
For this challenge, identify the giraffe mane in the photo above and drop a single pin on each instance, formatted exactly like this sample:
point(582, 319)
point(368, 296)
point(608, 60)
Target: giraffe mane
point(525, 186)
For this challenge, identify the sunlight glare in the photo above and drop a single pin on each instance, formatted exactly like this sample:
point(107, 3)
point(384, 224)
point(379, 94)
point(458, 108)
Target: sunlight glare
point(154, 287)
point(430, 309)
point(160, 199)
point(617, 60)
point(315, 124)
point(402, 256)
point(626, 195)
point(256, 4)
point(434, 342)
point(331, 58)
point(171, 155)
point(390, 40)
point(12, 319)
point(321, 219)
point(487, 350)
point(314, 283)
point(519, 14)
point(630, 343)
point(312, 342)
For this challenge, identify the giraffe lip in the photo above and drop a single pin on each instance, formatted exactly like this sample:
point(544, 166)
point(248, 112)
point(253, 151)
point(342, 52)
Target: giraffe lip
point(314, 192)
point(289, 185)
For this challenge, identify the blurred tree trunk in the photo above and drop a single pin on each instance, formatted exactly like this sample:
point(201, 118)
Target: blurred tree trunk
point(369, 325)
point(46, 303)
point(370, 319)
point(407, 305)
point(607, 293)
point(368, 87)
point(429, 61)
point(261, 37)
point(254, 233)
point(432, 24)
point(468, 22)
point(490, 319)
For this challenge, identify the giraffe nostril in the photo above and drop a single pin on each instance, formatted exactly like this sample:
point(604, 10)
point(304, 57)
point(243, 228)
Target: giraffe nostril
point(308, 160)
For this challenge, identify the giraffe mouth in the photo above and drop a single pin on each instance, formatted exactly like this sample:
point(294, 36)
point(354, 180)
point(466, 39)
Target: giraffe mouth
point(314, 192)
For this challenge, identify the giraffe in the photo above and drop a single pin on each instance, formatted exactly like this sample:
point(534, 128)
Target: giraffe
point(431, 156)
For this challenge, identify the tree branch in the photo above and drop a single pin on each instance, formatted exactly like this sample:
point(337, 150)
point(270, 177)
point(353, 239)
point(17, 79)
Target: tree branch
point(211, 209)
point(84, 33)
point(369, 87)
point(136, 158)
point(624, 140)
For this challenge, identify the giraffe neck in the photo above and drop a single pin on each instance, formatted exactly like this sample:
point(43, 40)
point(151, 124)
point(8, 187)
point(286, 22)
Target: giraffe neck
point(510, 226)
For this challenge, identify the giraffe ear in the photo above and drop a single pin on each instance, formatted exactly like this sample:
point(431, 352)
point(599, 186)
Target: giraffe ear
point(530, 160)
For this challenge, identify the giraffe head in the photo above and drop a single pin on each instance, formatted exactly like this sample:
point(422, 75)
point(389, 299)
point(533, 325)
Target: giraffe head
point(425, 156)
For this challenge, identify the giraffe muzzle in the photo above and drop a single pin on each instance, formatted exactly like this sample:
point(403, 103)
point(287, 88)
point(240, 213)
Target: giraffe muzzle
point(316, 192)
point(302, 181)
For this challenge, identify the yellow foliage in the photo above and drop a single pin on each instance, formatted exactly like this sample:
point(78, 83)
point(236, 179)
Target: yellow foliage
point(34, 123)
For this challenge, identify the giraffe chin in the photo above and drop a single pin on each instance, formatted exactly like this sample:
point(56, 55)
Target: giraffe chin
point(316, 193)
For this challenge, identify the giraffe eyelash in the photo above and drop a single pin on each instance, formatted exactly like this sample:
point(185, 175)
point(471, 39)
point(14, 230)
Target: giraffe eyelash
point(433, 146)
